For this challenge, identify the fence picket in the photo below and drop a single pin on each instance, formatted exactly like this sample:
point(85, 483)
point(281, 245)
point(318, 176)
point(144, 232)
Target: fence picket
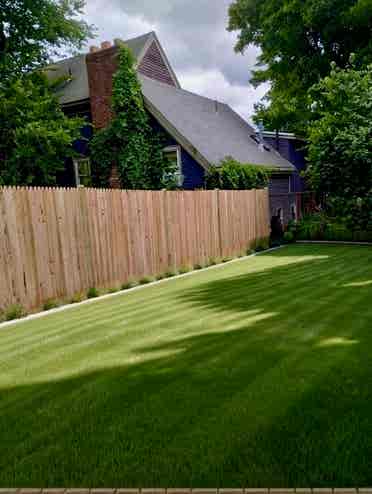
point(55, 243)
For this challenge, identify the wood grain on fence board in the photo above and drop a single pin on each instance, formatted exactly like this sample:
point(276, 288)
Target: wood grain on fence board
point(55, 243)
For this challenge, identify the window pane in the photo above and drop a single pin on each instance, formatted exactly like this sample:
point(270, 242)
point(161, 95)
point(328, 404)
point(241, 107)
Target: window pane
point(83, 172)
point(172, 157)
point(84, 168)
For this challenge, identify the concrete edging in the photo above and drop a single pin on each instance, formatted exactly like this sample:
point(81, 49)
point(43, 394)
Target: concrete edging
point(190, 491)
point(301, 490)
point(66, 307)
point(333, 242)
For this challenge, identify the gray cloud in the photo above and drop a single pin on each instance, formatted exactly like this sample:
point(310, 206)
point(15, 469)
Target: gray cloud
point(194, 36)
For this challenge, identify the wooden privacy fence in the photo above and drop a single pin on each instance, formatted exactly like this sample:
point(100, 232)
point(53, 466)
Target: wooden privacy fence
point(55, 243)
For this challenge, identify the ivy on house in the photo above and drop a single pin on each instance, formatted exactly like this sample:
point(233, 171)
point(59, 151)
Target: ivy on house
point(129, 143)
point(233, 175)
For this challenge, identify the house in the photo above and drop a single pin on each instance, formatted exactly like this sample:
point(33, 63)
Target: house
point(201, 131)
point(293, 149)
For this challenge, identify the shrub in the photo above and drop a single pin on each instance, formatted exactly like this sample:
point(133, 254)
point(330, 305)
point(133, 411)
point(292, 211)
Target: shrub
point(199, 266)
point(78, 297)
point(15, 311)
point(128, 285)
point(184, 269)
point(160, 276)
point(92, 293)
point(261, 244)
point(114, 289)
point(232, 175)
point(171, 273)
point(288, 237)
point(146, 280)
point(50, 304)
point(321, 227)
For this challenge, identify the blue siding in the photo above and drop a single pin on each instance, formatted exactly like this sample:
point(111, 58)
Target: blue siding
point(193, 173)
point(82, 145)
point(294, 151)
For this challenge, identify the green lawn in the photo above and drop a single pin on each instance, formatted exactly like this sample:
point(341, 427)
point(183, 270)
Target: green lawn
point(258, 373)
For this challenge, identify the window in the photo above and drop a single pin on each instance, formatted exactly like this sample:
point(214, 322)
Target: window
point(83, 175)
point(173, 155)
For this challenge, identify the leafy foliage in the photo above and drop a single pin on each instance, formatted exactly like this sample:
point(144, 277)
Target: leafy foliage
point(340, 150)
point(323, 227)
point(32, 31)
point(35, 135)
point(298, 40)
point(15, 311)
point(128, 141)
point(231, 174)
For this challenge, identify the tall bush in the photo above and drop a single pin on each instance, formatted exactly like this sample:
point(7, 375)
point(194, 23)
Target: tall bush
point(232, 175)
point(340, 149)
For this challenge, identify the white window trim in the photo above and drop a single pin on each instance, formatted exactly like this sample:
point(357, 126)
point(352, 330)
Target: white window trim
point(76, 162)
point(171, 149)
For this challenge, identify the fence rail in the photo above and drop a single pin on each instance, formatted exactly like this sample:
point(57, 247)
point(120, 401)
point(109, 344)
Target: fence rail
point(55, 243)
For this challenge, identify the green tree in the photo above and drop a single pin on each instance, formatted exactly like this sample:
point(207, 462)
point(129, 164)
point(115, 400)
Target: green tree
point(298, 41)
point(129, 142)
point(340, 149)
point(31, 31)
point(35, 136)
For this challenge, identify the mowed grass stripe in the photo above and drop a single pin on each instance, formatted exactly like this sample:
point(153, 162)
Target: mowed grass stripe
point(257, 373)
point(76, 333)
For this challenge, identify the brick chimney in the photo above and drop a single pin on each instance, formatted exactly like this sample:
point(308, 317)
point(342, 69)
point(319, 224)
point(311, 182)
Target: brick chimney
point(101, 65)
point(105, 45)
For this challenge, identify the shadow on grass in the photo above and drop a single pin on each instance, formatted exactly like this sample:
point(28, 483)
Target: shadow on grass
point(262, 403)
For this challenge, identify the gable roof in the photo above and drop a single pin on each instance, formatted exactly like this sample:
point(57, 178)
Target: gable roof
point(76, 88)
point(210, 131)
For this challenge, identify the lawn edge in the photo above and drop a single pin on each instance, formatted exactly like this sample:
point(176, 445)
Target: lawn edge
point(332, 242)
point(39, 315)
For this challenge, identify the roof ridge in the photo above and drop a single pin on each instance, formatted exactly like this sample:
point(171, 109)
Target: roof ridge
point(136, 38)
point(85, 53)
point(181, 90)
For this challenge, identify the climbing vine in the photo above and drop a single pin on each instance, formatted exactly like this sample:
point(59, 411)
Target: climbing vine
point(129, 142)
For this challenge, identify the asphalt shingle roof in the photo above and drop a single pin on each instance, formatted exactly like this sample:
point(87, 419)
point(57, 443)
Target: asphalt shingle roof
point(77, 87)
point(212, 128)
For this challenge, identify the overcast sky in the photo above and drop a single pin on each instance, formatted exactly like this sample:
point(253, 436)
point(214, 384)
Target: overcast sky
point(193, 34)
